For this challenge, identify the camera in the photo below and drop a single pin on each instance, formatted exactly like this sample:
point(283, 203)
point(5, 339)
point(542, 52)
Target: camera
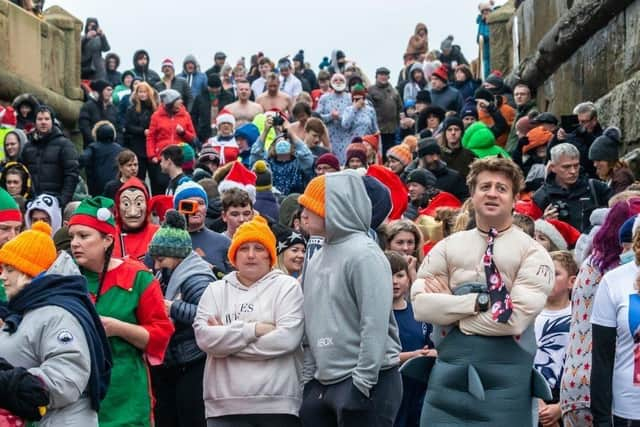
point(563, 210)
point(278, 120)
point(188, 207)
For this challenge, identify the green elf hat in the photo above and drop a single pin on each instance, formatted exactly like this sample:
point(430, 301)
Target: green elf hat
point(97, 213)
point(9, 210)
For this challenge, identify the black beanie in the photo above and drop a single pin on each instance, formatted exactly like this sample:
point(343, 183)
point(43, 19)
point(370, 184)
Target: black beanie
point(106, 133)
point(428, 146)
point(423, 177)
point(214, 81)
point(483, 93)
point(380, 197)
point(452, 121)
point(605, 147)
point(99, 85)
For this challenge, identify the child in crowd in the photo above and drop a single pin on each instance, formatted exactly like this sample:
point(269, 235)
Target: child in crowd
point(552, 334)
point(415, 339)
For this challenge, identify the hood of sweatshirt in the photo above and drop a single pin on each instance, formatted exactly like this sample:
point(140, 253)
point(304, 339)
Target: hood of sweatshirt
point(232, 279)
point(416, 66)
point(135, 65)
point(190, 58)
point(347, 206)
point(48, 204)
point(193, 265)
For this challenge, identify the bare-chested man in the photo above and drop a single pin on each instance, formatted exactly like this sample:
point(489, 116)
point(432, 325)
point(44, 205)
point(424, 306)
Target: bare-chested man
point(273, 98)
point(243, 109)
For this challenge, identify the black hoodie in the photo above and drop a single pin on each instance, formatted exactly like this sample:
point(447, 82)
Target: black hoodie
point(145, 73)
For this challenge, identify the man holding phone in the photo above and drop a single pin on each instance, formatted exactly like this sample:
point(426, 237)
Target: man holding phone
point(587, 131)
point(191, 200)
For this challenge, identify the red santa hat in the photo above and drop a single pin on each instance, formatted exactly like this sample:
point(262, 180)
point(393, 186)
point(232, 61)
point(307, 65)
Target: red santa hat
point(528, 208)
point(562, 234)
point(239, 177)
point(8, 116)
point(396, 187)
point(225, 116)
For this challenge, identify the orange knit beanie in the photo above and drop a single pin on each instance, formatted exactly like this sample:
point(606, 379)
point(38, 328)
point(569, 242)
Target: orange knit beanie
point(313, 196)
point(256, 230)
point(32, 251)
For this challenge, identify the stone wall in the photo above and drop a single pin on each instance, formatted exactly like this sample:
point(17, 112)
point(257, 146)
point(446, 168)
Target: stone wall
point(42, 57)
point(603, 70)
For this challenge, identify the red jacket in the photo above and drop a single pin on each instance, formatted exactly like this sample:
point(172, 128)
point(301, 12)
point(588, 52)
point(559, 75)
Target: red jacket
point(162, 131)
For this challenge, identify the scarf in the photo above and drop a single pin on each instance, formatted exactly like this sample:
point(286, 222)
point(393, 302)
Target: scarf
point(69, 293)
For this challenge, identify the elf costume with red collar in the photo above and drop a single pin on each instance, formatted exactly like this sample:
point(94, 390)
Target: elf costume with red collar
point(133, 229)
point(129, 293)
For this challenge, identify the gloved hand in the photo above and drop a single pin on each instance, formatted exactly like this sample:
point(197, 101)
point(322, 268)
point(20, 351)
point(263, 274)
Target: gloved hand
point(22, 393)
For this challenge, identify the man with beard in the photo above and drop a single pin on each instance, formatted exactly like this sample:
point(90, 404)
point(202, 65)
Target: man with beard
point(133, 228)
point(141, 68)
point(273, 98)
point(424, 197)
point(244, 110)
point(447, 179)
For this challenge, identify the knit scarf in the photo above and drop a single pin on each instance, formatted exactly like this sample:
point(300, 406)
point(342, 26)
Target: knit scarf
point(69, 293)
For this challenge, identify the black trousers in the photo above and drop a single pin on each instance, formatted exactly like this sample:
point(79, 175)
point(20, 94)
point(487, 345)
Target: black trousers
point(158, 179)
point(622, 422)
point(255, 420)
point(388, 140)
point(142, 169)
point(343, 405)
point(178, 392)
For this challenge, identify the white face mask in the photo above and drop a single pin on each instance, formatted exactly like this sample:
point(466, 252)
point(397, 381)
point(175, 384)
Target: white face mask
point(627, 257)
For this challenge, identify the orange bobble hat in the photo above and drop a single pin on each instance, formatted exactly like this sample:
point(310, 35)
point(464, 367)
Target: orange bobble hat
point(313, 196)
point(537, 137)
point(32, 251)
point(256, 230)
point(401, 153)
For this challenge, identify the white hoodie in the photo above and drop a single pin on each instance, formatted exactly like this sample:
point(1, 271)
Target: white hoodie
point(245, 374)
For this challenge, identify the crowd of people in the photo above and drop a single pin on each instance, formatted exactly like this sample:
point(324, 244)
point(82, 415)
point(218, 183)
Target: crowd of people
point(271, 246)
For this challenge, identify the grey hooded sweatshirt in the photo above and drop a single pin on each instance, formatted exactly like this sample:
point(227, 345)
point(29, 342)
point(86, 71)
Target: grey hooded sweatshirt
point(349, 322)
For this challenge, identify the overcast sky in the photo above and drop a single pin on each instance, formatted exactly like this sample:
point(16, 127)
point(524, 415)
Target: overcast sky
point(372, 32)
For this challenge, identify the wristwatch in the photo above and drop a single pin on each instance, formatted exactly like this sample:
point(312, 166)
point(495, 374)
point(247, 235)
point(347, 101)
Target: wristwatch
point(482, 302)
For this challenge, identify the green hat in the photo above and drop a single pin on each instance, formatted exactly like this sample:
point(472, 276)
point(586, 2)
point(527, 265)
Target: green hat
point(9, 210)
point(95, 212)
point(480, 140)
point(172, 239)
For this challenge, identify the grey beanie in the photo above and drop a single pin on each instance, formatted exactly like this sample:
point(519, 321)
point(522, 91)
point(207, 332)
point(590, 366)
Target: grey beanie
point(605, 147)
point(169, 96)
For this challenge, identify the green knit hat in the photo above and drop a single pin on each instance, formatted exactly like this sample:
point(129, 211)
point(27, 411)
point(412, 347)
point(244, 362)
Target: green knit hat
point(95, 212)
point(9, 210)
point(172, 239)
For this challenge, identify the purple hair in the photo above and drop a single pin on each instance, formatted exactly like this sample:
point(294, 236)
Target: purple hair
point(606, 246)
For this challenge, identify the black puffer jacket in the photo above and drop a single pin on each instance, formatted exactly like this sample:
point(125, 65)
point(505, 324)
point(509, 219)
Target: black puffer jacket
point(577, 202)
point(201, 112)
point(134, 137)
point(450, 181)
point(93, 112)
point(52, 161)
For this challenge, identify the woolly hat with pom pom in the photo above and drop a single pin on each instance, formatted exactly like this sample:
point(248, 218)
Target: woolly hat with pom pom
point(264, 179)
point(605, 147)
point(172, 239)
point(31, 252)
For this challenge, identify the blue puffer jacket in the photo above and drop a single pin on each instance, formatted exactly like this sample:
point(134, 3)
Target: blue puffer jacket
point(185, 286)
